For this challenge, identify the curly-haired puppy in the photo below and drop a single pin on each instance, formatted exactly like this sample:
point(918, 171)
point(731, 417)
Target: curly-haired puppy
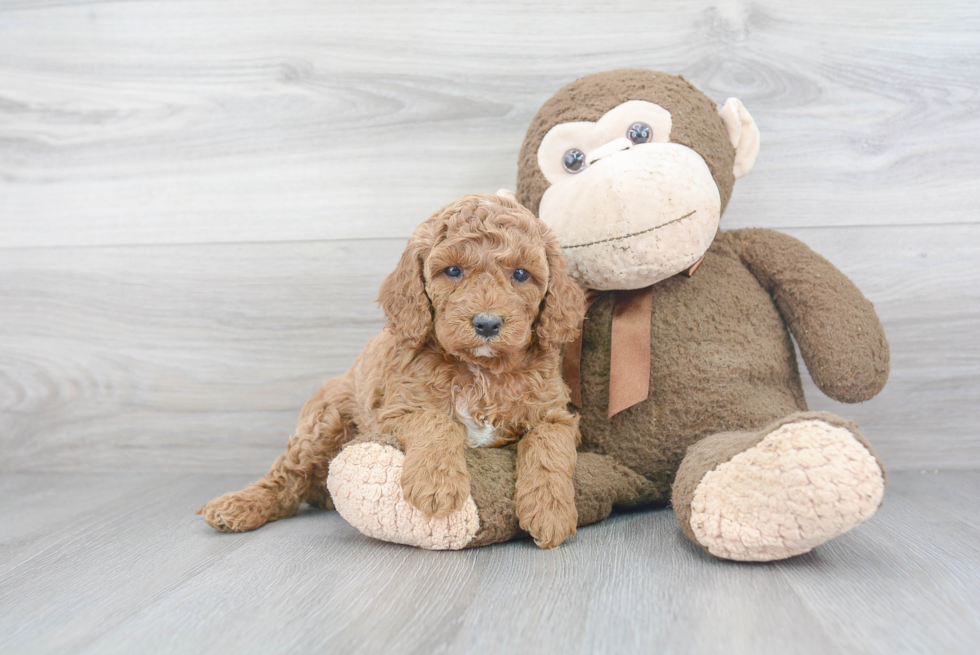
point(477, 308)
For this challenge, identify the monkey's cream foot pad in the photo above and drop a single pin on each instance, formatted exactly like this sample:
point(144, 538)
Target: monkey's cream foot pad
point(805, 483)
point(365, 485)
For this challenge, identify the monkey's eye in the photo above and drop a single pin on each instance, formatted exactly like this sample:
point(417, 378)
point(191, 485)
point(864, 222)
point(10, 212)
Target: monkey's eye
point(639, 133)
point(520, 275)
point(574, 160)
point(453, 271)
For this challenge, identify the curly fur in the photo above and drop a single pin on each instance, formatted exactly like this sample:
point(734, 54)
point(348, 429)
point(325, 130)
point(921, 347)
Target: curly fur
point(410, 381)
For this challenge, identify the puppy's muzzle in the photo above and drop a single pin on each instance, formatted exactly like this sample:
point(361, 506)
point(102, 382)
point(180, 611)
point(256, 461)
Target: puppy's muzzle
point(487, 325)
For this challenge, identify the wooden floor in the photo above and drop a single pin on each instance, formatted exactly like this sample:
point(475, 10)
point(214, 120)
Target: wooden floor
point(120, 564)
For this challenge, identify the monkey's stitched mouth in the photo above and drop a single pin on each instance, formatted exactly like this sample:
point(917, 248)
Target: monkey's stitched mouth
point(632, 234)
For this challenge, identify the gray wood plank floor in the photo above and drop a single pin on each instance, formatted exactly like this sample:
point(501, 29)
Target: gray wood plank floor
point(120, 564)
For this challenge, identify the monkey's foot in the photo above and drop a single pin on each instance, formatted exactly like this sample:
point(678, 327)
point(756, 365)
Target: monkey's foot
point(365, 484)
point(805, 482)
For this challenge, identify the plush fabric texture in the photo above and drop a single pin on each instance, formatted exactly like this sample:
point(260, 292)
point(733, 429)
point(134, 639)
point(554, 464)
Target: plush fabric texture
point(601, 138)
point(820, 306)
point(803, 484)
point(743, 133)
point(364, 482)
point(635, 218)
point(722, 360)
point(779, 492)
point(588, 98)
point(600, 485)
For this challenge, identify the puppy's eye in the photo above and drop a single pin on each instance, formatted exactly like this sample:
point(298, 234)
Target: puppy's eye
point(639, 133)
point(521, 275)
point(574, 160)
point(453, 271)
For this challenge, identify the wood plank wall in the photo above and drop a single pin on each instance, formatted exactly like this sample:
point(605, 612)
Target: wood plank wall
point(199, 199)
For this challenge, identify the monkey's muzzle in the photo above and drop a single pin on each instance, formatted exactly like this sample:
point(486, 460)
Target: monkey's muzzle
point(634, 216)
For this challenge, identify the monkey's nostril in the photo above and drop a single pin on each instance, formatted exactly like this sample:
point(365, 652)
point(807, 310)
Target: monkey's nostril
point(487, 325)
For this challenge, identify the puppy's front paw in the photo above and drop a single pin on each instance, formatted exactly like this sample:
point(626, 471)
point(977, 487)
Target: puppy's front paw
point(241, 511)
point(436, 484)
point(546, 508)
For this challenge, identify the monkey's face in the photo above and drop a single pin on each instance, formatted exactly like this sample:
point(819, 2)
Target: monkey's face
point(623, 194)
point(635, 195)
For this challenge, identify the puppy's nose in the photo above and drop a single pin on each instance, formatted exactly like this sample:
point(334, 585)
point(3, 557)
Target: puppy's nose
point(487, 325)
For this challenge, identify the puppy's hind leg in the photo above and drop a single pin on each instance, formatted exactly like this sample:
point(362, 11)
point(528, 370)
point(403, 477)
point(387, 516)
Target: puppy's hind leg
point(297, 476)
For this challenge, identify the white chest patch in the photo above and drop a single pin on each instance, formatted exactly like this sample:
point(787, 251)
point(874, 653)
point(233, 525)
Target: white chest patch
point(477, 434)
point(483, 351)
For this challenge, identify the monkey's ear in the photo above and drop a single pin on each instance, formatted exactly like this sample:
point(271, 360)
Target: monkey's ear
point(743, 133)
point(403, 298)
point(507, 193)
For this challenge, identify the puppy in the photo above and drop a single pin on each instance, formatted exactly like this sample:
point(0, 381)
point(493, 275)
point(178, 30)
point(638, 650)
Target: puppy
point(477, 311)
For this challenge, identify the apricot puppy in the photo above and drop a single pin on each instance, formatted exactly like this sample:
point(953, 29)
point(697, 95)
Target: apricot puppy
point(478, 309)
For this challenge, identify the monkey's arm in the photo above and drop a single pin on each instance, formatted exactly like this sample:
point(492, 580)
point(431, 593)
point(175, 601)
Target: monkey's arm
point(839, 334)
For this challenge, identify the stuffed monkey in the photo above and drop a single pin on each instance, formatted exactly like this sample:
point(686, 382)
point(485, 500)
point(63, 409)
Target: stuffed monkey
point(686, 372)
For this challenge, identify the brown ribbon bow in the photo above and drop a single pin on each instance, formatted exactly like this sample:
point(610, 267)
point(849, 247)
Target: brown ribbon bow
point(629, 365)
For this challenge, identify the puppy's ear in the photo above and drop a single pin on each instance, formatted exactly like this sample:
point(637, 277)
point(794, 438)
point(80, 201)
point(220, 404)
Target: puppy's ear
point(563, 307)
point(403, 298)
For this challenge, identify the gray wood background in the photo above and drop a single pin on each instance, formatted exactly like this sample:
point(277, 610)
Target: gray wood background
point(199, 199)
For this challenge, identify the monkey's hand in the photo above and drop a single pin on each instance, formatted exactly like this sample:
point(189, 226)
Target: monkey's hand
point(840, 337)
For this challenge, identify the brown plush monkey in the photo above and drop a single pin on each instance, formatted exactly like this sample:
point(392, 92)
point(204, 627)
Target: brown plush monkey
point(686, 372)
point(633, 169)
